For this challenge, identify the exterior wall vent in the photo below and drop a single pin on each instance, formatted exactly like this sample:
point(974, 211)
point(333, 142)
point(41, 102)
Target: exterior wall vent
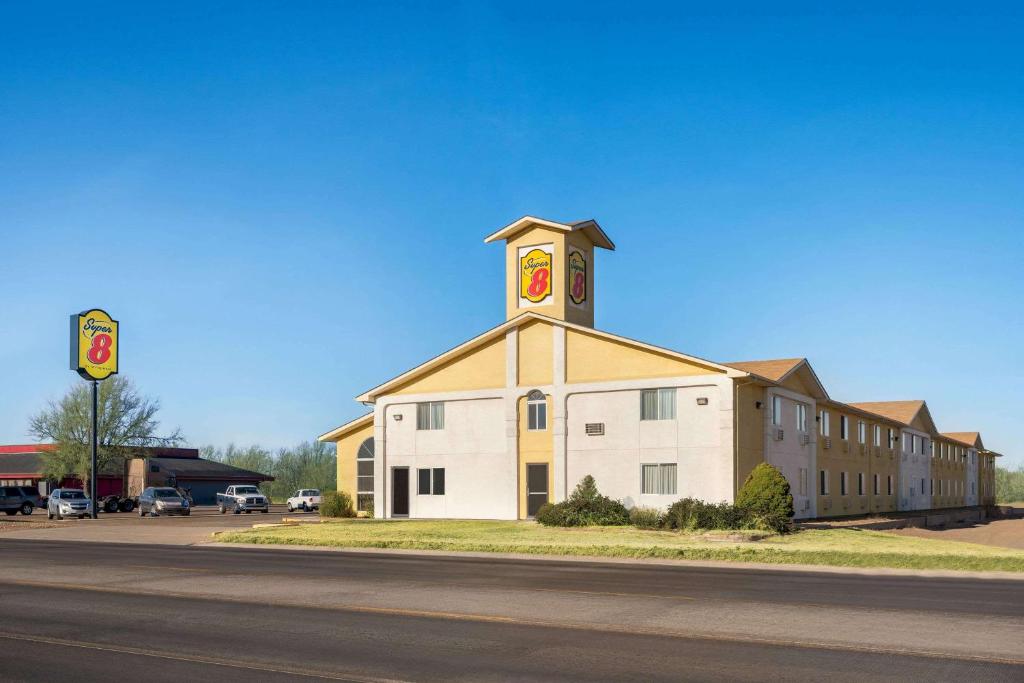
point(780, 434)
point(805, 439)
point(595, 429)
point(827, 443)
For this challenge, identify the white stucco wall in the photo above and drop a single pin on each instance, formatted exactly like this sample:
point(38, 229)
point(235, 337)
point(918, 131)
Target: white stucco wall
point(692, 441)
point(790, 454)
point(971, 482)
point(480, 478)
point(914, 467)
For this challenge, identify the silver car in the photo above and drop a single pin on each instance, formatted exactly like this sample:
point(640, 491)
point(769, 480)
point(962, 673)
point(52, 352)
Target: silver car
point(68, 503)
point(163, 500)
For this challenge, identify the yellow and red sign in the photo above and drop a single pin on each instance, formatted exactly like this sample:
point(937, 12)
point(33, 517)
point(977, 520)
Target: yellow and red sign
point(577, 276)
point(535, 274)
point(94, 344)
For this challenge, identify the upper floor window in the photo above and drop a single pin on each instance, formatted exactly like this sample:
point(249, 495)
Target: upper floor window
point(801, 417)
point(658, 404)
point(430, 415)
point(777, 411)
point(907, 443)
point(892, 437)
point(862, 431)
point(536, 411)
point(823, 425)
point(844, 427)
point(878, 435)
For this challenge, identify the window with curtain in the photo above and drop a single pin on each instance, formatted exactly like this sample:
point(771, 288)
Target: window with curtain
point(430, 415)
point(364, 476)
point(536, 411)
point(658, 404)
point(658, 479)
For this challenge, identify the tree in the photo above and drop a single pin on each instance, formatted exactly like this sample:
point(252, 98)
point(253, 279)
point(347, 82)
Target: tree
point(311, 464)
point(126, 420)
point(766, 499)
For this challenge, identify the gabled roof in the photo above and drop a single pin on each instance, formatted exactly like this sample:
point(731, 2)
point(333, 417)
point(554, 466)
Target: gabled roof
point(371, 395)
point(589, 227)
point(972, 439)
point(774, 370)
point(904, 412)
point(338, 432)
point(777, 370)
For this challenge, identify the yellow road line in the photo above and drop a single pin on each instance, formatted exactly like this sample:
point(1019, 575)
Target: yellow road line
point(194, 659)
point(548, 623)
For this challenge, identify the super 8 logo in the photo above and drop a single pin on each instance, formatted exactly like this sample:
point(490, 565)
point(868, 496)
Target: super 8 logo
point(535, 275)
point(94, 344)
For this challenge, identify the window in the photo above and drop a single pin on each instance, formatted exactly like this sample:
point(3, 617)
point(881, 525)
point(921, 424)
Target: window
point(430, 481)
point(931, 486)
point(878, 487)
point(888, 485)
point(913, 443)
point(906, 442)
point(658, 479)
point(823, 482)
point(892, 437)
point(803, 481)
point(777, 411)
point(801, 417)
point(844, 483)
point(922, 486)
point(537, 411)
point(658, 404)
point(844, 427)
point(860, 483)
point(862, 431)
point(878, 435)
point(823, 426)
point(364, 476)
point(430, 415)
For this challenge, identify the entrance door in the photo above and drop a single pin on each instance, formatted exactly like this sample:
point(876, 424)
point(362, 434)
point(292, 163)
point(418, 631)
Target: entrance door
point(400, 492)
point(536, 487)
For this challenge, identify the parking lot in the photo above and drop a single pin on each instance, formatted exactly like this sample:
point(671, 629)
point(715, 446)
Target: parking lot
point(128, 527)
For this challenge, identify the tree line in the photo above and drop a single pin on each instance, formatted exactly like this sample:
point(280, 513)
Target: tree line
point(311, 464)
point(1010, 484)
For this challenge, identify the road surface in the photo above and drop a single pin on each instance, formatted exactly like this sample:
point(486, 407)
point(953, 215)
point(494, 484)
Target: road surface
point(157, 613)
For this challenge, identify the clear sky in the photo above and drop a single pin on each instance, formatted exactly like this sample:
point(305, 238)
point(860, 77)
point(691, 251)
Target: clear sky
point(284, 204)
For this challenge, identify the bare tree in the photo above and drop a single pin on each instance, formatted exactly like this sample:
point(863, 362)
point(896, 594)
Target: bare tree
point(126, 420)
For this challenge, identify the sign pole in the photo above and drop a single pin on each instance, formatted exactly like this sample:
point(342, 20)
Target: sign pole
point(94, 438)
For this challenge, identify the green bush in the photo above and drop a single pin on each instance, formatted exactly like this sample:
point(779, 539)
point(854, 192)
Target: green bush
point(369, 509)
point(690, 514)
point(336, 504)
point(766, 500)
point(645, 518)
point(585, 507)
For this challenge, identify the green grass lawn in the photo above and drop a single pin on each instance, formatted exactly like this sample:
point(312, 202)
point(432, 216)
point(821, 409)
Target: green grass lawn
point(838, 547)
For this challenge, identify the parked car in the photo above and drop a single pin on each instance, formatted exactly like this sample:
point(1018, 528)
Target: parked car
point(15, 499)
point(68, 503)
point(305, 500)
point(242, 498)
point(163, 500)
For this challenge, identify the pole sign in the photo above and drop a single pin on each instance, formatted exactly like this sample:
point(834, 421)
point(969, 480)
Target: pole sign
point(94, 344)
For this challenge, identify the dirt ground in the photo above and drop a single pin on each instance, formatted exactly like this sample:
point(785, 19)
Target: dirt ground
point(1004, 533)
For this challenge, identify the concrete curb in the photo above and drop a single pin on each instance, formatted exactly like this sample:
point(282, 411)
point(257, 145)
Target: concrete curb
point(586, 559)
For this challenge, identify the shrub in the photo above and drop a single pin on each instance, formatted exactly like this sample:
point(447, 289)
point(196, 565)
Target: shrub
point(690, 514)
point(645, 518)
point(368, 509)
point(336, 504)
point(585, 507)
point(766, 500)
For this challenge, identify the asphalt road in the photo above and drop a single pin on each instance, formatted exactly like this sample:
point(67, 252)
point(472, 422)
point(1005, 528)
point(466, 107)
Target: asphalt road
point(203, 613)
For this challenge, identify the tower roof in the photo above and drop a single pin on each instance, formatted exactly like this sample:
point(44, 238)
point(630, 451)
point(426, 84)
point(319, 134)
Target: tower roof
point(589, 227)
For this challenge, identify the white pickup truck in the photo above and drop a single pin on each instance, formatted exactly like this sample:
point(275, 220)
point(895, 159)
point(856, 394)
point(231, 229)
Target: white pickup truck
point(242, 498)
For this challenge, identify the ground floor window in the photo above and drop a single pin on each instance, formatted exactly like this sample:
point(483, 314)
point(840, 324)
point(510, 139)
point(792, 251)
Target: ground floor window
point(844, 483)
point(658, 479)
point(824, 482)
point(888, 483)
point(878, 488)
point(860, 483)
point(364, 476)
point(430, 482)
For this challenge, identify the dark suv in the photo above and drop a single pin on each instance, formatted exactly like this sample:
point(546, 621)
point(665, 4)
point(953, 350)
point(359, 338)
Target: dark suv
point(14, 499)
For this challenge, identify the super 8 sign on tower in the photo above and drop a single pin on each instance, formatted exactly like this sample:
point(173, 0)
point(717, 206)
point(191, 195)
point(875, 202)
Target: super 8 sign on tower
point(94, 344)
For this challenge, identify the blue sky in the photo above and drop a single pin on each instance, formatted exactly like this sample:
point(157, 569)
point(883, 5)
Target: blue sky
point(284, 204)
